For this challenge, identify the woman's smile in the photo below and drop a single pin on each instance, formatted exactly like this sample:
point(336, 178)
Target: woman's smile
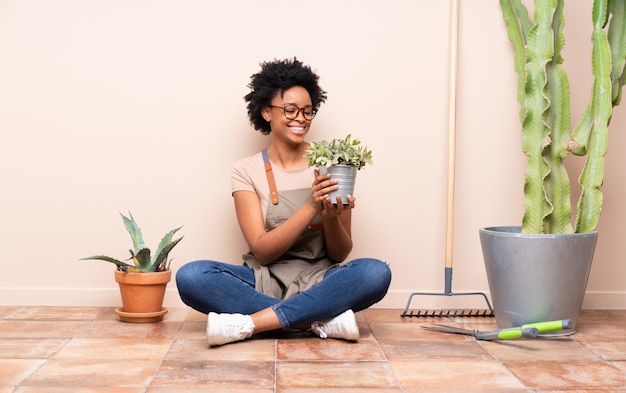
point(297, 129)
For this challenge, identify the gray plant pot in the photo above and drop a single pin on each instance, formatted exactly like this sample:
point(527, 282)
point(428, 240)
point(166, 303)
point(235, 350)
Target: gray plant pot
point(346, 174)
point(536, 278)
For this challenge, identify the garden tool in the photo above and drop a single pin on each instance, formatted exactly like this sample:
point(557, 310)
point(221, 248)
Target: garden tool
point(450, 197)
point(527, 330)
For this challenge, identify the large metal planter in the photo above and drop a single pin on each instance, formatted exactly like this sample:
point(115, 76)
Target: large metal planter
point(536, 278)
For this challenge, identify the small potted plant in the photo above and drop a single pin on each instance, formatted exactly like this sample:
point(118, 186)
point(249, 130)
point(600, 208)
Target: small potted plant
point(538, 271)
point(342, 158)
point(143, 282)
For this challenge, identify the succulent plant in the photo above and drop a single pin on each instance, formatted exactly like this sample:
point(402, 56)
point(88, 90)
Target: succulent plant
point(142, 262)
point(346, 151)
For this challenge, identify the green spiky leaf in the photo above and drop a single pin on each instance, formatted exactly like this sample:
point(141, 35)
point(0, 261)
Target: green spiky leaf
point(140, 254)
point(134, 231)
point(161, 261)
point(107, 259)
point(142, 259)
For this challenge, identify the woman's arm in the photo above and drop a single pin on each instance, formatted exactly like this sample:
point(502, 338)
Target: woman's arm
point(337, 221)
point(268, 246)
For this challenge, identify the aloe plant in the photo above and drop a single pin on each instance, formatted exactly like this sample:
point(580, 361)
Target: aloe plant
point(346, 151)
point(543, 94)
point(140, 254)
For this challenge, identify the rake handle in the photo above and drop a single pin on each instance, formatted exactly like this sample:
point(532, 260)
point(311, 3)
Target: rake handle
point(454, 20)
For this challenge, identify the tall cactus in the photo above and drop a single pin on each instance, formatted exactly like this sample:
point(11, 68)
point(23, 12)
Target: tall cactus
point(543, 94)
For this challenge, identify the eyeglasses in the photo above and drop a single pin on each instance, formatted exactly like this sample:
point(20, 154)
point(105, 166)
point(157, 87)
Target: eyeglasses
point(292, 111)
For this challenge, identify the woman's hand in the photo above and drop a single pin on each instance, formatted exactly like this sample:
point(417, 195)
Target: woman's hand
point(322, 186)
point(330, 209)
point(336, 217)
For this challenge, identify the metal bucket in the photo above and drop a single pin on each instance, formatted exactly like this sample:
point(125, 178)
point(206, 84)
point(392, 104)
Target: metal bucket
point(536, 277)
point(346, 174)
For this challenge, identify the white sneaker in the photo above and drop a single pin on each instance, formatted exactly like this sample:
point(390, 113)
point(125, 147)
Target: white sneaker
point(226, 328)
point(342, 326)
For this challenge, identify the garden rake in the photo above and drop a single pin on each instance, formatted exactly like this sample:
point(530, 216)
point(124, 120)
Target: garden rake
point(450, 197)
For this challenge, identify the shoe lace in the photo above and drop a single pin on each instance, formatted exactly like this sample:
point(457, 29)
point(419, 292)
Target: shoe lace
point(319, 329)
point(240, 330)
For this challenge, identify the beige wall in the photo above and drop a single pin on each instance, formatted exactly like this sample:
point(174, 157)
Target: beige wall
point(110, 106)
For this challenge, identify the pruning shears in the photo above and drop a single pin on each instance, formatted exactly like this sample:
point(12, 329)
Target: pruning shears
point(527, 330)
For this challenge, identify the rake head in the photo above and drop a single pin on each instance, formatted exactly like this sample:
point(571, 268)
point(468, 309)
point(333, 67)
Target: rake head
point(448, 313)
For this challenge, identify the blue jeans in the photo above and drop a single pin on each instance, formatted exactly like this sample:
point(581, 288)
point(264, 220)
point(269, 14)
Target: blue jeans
point(210, 286)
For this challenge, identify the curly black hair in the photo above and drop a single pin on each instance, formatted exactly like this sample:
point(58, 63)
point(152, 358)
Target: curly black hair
point(276, 77)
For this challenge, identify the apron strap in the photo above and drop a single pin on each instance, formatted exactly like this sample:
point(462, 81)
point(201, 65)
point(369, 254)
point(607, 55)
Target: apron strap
point(270, 177)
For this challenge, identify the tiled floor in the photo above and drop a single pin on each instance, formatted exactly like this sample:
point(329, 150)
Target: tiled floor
point(87, 350)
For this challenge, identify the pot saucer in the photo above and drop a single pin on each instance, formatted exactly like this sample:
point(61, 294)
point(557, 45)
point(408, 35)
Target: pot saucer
point(140, 317)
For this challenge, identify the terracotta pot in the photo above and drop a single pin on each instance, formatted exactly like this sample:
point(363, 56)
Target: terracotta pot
point(143, 292)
